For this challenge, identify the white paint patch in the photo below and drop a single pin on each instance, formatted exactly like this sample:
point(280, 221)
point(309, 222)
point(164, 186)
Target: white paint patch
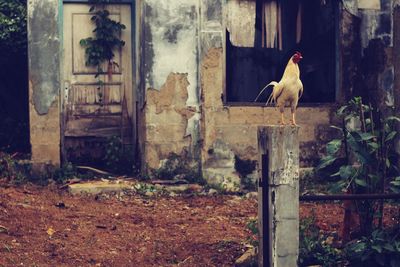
point(351, 6)
point(286, 175)
point(178, 20)
point(191, 124)
point(369, 4)
point(369, 24)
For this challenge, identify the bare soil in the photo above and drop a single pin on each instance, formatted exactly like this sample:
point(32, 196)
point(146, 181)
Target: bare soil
point(46, 226)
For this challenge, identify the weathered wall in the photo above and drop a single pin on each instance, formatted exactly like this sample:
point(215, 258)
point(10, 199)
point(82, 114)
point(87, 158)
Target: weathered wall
point(233, 130)
point(44, 81)
point(367, 65)
point(167, 119)
point(173, 109)
point(171, 114)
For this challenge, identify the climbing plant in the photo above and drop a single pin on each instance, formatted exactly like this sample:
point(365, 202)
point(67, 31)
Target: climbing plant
point(99, 49)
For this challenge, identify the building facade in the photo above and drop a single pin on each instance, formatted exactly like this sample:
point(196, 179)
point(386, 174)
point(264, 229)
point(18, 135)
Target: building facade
point(190, 70)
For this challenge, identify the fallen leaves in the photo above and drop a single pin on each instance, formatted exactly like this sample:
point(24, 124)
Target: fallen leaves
point(50, 231)
point(3, 229)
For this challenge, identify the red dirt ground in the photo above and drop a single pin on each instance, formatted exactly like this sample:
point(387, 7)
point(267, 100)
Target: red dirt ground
point(49, 227)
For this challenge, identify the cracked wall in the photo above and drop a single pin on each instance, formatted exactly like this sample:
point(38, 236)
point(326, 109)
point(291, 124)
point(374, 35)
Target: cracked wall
point(44, 81)
point(183, 77)
point(170, 118)
point(236, 127)
point(167, 119)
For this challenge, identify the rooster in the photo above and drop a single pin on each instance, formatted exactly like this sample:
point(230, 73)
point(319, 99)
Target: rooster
point(288, 90)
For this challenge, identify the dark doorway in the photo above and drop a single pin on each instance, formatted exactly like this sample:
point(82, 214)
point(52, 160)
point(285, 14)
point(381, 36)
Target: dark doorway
point(14, 93)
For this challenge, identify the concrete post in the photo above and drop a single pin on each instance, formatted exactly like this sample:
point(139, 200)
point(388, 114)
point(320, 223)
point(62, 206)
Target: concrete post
point(278, 196)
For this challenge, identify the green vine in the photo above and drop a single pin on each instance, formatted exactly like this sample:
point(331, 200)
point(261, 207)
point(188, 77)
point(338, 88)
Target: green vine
point(99, 48)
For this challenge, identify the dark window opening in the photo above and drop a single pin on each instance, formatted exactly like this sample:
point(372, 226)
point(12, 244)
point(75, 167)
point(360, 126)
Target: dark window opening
point(308, 26)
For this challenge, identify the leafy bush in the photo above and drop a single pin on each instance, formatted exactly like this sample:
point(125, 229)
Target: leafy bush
point(13, 31)
point(252, 227)
point(381, 248)
point(315, 246)
point(366, 149)
point(11, 170)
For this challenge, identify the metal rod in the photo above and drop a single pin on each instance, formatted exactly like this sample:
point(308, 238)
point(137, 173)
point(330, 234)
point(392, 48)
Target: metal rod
point(265, 205)
point(348, 197)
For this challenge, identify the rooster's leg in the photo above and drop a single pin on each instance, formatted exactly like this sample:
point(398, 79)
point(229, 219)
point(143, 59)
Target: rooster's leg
point(282, 119)
point(294, 118)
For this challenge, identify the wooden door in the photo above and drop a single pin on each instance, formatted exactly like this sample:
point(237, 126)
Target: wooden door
point(91, 113)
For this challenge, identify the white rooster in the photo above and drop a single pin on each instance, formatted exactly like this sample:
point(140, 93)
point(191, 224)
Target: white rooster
point(288, 90)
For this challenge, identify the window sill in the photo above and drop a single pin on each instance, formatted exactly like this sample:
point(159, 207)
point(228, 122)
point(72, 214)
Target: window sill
point(300, 105)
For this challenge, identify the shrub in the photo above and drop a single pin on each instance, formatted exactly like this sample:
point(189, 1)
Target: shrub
point(381, 248)
point(366, 150)
point(316, 247)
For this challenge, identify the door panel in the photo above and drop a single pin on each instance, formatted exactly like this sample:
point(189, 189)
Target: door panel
point(84, 115)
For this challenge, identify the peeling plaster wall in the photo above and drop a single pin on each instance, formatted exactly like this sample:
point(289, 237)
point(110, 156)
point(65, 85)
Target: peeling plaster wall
point(171, 114)
point(44, 53)
point(235, 128)
point(212, 132)
point(166, 120)
point(44, 81)
point(374, 72)
point(171, 37)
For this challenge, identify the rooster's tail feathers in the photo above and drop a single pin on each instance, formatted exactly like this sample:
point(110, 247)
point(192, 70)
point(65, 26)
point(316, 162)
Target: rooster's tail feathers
point(265, 87)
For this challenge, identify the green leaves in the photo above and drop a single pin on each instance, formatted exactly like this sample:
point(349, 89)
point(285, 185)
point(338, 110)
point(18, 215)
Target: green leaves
point(99, 49)
point(325, 162)
point(333, 146)
point(361, 182)
point(13, 34)
point(390, 136)
point(378, 249)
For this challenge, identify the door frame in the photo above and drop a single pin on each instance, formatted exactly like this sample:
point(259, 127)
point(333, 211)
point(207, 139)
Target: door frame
point(136, 81)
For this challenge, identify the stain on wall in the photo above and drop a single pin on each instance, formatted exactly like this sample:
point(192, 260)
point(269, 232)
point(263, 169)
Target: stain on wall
point(167, 118)
point(171, 35)
point(44, 53)
point(44, 82)
point(172, 111)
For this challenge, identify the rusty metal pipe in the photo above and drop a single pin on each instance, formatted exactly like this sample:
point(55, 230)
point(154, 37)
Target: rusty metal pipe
point(348, 197)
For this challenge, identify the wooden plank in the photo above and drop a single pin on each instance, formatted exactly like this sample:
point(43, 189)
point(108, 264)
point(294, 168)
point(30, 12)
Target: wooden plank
point(99, 132)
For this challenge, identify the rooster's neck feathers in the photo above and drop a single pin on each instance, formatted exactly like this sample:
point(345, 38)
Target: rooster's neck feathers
point(291, 69)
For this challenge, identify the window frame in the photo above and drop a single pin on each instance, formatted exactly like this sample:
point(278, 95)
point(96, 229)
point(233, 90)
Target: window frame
point(338, 63)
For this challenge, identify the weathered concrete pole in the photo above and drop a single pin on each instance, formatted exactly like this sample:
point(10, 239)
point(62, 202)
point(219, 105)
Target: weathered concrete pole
point(278, 196)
